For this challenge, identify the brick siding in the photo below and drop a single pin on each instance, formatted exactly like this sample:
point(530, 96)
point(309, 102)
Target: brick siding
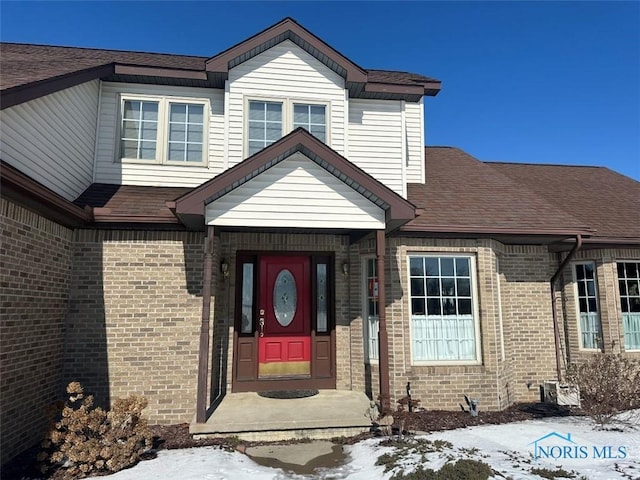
point(35, 262)
point(134, 318)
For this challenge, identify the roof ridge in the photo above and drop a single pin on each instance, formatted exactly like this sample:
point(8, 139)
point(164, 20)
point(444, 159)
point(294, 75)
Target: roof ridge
point(501, 162)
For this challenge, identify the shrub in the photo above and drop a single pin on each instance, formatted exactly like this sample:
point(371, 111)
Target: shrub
point(609, 384)
point(82, 440)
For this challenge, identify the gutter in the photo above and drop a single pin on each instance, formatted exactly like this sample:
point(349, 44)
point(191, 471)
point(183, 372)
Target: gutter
point(554, 310)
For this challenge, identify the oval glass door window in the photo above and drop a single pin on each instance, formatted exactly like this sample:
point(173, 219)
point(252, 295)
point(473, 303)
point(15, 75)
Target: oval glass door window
point(285, 298)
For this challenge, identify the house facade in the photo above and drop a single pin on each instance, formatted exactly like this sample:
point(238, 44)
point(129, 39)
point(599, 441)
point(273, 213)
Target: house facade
point(269, 218)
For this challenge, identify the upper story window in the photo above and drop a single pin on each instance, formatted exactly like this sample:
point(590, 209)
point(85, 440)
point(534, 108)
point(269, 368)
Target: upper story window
point(270, 120)
point(312, 118)
point(265, 124)
point(163, 130)
point(443, 316)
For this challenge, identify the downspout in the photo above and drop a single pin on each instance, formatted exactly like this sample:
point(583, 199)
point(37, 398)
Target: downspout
point(554, 310)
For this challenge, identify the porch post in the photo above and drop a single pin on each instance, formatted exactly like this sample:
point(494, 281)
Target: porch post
point(383, 339)
point(203, 359)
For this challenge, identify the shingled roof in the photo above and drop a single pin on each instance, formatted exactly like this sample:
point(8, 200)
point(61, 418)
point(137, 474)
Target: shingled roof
point(464, 195)
point(44, 69)
point(606, 200)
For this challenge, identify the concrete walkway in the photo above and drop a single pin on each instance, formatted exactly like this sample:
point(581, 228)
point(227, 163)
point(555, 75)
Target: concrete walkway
point(330, 413)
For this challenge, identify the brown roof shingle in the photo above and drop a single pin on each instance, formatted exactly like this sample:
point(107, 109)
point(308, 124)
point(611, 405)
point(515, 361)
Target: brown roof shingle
point(606, 200)
point(463, 194)
point(24, 63)
point(131, 200)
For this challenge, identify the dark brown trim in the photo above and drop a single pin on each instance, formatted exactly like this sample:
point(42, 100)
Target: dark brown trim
point(203, 355)
point(122, 69)
point(383, 337)
point(190, 208)
point(30, 91)
point(280, 32)
point(22, 189)
point(394, 88)
point(482, 230)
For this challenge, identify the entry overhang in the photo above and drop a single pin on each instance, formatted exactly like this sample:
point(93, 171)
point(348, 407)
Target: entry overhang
point(191, 208)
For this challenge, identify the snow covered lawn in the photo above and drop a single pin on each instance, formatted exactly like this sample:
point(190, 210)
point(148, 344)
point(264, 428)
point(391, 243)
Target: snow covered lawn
point(568, 442)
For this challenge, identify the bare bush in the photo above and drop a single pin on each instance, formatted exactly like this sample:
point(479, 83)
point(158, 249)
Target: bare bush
point(609, 385)
point(83, 440)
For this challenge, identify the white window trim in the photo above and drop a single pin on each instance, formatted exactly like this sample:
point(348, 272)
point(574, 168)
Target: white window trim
point(576, 296)
point(162, 139)
point(287, 115)
point(619, 301)
point(474, 306)
point(365, 316)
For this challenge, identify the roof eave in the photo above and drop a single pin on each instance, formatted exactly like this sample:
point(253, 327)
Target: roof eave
point(30, 91)
point(26, 191)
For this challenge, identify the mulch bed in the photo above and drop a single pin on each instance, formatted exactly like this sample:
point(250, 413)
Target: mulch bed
point(169, 437)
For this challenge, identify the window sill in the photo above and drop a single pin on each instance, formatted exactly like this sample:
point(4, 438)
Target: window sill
point(451, 363)
point(135, 161)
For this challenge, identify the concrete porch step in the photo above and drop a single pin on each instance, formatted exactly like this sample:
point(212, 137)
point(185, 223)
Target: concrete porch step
point(330, 413)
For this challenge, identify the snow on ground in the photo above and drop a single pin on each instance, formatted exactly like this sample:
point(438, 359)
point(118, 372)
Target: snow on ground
point(568, 442)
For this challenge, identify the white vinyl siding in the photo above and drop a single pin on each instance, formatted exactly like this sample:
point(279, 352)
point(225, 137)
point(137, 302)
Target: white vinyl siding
point(629, 289)
point(443, 313)
point(375, 140)
point(587, 303)
point(52, 138)
point(295, 193)
point(109, 168)
point(284, 72)
point(414, 119)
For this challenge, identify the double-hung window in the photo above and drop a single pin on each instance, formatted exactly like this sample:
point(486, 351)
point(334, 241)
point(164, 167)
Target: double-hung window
point(587, 295)
point(443, 319)
point(270, 120)
point(163, 130)
point(265, 124)
point(629, 287)
point(312, 118)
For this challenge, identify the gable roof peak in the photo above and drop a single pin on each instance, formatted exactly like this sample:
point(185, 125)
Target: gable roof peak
point(287, 29)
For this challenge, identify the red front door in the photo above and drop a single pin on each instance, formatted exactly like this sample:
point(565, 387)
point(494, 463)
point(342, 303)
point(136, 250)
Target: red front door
point(284, 317)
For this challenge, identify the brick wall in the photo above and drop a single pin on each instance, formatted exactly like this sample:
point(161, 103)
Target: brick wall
point(35, 265)
point(608, 299)
point(517, 349)
point(134, 318)
point(525, 272)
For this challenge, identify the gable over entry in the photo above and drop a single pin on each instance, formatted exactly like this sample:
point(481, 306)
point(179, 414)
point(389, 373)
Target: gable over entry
point(297, 182)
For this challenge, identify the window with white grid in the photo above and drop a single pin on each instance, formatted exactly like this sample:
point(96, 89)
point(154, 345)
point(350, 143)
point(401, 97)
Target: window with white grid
point(629, 287)
point(163, 130)
point(587, 296)
point(443, 324)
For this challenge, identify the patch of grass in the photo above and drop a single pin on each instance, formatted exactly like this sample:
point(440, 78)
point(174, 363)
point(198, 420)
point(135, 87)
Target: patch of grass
point(461, 470)
point(552, 474)
point(404, 448)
